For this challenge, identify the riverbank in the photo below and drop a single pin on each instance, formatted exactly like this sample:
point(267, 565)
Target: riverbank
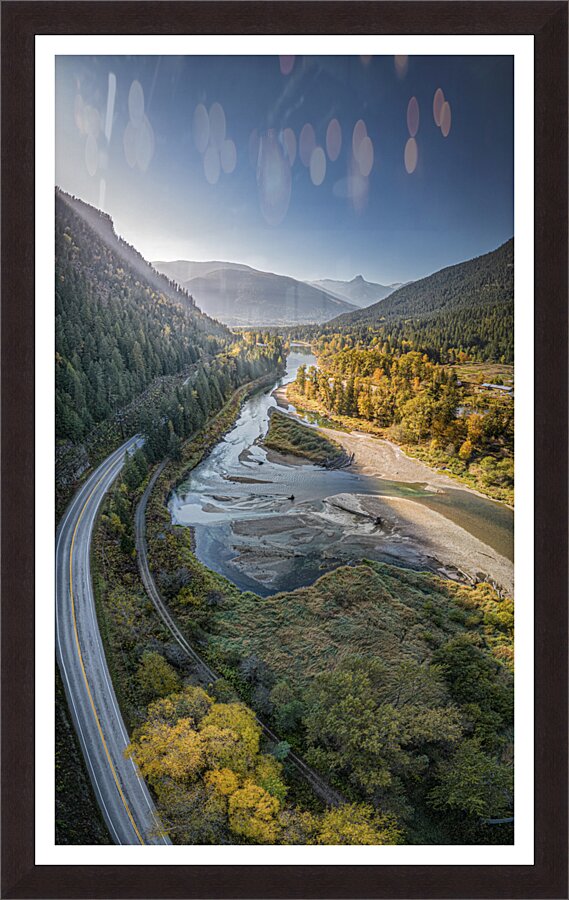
point(374, 455)
point(269, 524)
point(458, 554)
point(384, 459)
point(408, 524)
point(199, 445)
point(345, 528)
point(434, 465)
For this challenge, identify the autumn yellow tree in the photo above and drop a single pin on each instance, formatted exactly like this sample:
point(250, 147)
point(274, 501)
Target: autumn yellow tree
point(213, 783)
point(253, 814)
point(200, 754)
point(168, 751)
point(232, 735)
point(357, 823)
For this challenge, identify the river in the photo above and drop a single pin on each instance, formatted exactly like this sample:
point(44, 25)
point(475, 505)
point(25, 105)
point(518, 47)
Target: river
point(270, 525)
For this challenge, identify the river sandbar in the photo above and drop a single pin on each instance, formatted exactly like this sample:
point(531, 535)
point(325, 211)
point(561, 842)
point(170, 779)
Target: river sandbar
point(345, 528)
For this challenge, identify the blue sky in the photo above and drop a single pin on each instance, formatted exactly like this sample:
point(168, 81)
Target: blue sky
point(395, 203)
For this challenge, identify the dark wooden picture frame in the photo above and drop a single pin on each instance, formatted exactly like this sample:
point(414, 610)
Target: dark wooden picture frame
point(21, 21)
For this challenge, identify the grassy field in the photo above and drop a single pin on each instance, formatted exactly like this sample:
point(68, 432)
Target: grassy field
point(478, 373)
point(372, 610)
point(286, 435)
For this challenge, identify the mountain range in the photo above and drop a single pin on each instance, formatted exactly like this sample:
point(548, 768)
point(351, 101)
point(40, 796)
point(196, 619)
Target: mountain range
point(240, 295)
point(468, 305)
point(357, 291)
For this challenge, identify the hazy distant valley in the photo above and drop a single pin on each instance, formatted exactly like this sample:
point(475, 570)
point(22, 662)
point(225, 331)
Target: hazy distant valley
point(237, 294)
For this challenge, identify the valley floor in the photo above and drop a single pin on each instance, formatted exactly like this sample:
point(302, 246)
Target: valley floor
point(458, 551)
point(378, 456)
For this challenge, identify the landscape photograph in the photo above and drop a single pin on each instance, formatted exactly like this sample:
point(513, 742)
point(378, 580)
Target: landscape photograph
point(284, 461)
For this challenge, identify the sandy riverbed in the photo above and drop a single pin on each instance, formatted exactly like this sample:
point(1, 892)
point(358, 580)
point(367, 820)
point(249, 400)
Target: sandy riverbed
point(408, 526)
point(348, 527)
point(454, 547)
point(377, 456)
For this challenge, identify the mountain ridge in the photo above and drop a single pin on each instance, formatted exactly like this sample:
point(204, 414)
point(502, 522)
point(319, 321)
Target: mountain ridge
point(103, 225)
point(241, 295)
point(358, 290)
point(185, 269)
point(468, 305)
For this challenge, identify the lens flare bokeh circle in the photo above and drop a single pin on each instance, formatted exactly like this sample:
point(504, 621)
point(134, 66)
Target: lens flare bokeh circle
point(274, 182)
point(438, 101)
point(333, 140)
point(365, 156)
point(136, 103)
point(359, 133)
point(306, 144)
point(413, 116)
point(411, 155)
point(286, 64)
point(317, 166)
point(446, 119)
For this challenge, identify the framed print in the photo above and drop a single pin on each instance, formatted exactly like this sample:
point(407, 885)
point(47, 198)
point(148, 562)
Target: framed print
point(285, 449)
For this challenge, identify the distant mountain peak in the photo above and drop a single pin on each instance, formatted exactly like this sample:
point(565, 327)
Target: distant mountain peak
point(468, 304)
point(358, 291)
point(240, 295)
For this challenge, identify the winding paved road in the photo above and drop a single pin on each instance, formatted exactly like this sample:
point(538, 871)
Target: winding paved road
point(123, 797)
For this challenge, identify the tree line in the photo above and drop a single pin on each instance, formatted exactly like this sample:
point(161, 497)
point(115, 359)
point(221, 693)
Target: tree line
point(417, 402)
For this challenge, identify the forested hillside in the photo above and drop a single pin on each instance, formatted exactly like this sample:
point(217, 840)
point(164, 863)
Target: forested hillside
point(133, 353)
point(103, 226)
point(467, 308)
point(115, 332)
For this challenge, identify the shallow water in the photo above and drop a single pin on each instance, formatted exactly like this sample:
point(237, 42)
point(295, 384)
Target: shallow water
point(230, 517)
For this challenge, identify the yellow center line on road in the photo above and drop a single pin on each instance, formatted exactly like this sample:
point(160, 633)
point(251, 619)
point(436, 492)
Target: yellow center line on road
point(115, 776)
